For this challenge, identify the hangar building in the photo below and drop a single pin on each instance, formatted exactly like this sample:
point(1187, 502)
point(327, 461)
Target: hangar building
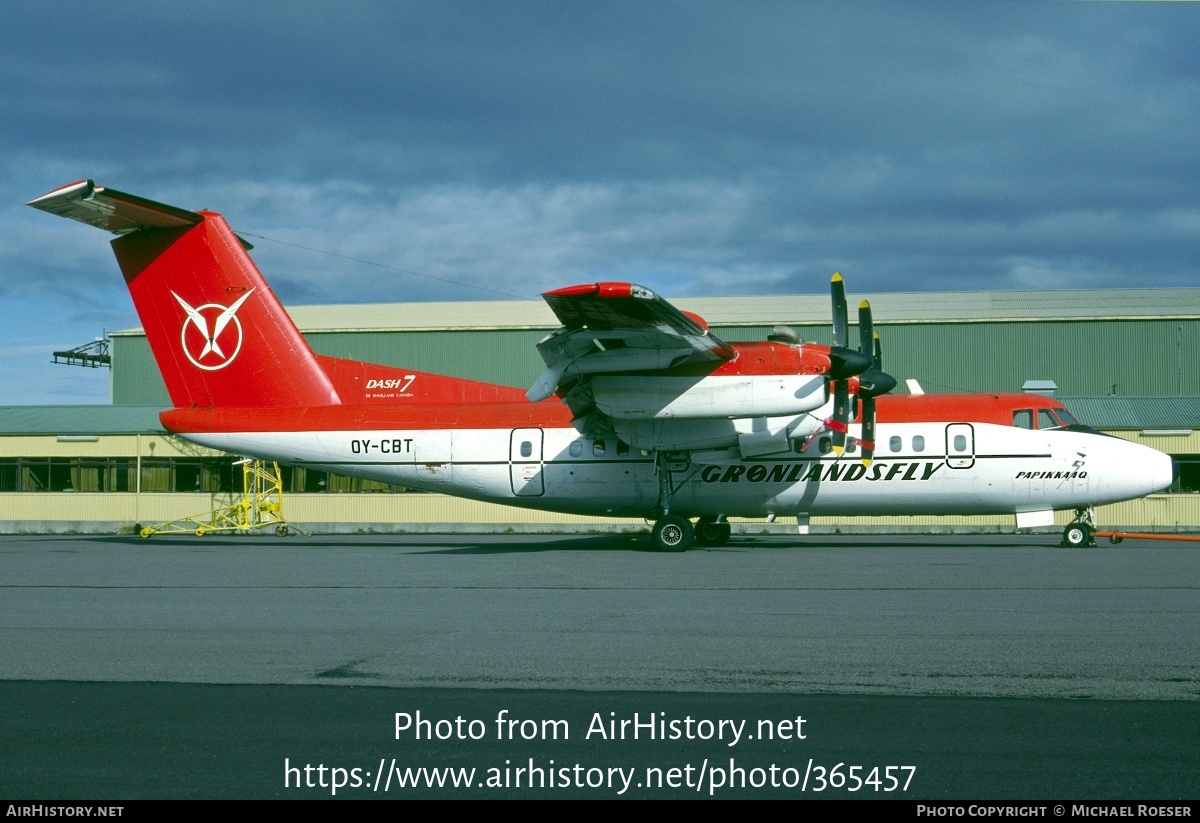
point(1124, 361)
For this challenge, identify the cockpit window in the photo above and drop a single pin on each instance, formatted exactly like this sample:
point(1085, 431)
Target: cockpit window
point(1023, 418)
point(1066, 417)
point(1047, 421)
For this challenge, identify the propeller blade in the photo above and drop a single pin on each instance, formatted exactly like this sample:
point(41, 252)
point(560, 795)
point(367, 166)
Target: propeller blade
point(866, 330)
point(878, 352)
point(868, 429)
point(840, 422)
point(840, 323)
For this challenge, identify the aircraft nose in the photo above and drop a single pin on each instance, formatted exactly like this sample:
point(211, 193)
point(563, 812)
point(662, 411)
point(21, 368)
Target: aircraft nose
point(1166, 472)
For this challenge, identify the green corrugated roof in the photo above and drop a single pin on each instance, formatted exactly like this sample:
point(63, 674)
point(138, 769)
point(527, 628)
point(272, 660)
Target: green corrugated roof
point(80, 420)
point(796, 309)
point(1136, 412)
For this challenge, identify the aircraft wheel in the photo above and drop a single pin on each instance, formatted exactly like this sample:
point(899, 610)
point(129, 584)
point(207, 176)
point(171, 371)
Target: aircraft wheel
point(281, 531)
point(712, 533)
point(672, 534)
point(1115, 539)
point(1077, 535)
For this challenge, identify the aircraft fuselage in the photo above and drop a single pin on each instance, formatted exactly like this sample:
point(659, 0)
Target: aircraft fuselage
point(918, 468)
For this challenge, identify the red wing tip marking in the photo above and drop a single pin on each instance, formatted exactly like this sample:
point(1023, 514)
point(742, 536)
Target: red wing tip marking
point(574, 291)
point(697, 319)
point(603, 289)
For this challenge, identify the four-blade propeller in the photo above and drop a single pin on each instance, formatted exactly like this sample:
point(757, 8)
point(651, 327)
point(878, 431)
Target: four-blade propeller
point(866, 364)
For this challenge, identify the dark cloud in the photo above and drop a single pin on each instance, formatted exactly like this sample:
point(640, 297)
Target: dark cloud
point(701, 147)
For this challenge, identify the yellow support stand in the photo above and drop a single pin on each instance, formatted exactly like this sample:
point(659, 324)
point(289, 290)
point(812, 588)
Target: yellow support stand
point(260, 507)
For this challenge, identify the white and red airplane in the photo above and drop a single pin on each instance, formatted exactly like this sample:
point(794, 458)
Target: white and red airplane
point(641, 412)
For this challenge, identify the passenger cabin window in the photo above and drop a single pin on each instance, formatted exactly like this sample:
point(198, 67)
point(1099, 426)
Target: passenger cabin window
point(577, 448)
point(1047, 421)
point(825, 445)
point(622, 448)
point(526, 448)
point(960, 443)
point(895, 443)
point(918, 443)
point(851, 445)
point(598, 448)
point(1023, 418)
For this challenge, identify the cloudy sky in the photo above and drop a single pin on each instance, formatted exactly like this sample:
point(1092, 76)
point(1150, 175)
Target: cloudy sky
point(699, 148)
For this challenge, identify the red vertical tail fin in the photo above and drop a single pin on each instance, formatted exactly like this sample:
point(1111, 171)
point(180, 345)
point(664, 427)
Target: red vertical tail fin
point(217, 331)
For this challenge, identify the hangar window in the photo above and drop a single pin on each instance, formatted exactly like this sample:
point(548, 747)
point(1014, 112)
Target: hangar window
point(918, 443)
point(45, 474)
point(895, 443)
point(207, 475)
point(1188, 481)
point(303, 480)
point(188, 474)
point(1023, 418)
point(112, 475)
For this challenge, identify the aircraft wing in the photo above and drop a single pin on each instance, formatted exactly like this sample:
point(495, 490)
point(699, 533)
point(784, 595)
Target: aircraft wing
point(619, 327)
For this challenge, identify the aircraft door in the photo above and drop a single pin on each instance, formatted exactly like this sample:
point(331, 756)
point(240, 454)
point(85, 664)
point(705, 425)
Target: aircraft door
point(960, 445)
point(525, 463)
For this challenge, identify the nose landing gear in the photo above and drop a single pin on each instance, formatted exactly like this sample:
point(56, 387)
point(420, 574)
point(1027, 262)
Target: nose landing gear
point(1080, 533)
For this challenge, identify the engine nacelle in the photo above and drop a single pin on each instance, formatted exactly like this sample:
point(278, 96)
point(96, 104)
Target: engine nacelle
point(657, 397)
point(751, 437)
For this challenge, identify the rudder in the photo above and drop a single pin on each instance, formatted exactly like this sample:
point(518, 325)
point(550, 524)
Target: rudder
point(217, 331)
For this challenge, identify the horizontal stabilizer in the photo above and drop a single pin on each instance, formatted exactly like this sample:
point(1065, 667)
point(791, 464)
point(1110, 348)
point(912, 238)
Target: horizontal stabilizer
point(112, 210)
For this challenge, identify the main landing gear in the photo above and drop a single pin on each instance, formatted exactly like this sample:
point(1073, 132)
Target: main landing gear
point(712, 531)
point(672, 533)
point(1081, 532)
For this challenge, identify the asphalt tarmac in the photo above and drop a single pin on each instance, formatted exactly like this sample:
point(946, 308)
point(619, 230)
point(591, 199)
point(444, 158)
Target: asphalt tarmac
point(974, 666)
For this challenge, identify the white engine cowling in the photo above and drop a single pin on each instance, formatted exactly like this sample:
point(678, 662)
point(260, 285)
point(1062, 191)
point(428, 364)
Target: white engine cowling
point(665, 398)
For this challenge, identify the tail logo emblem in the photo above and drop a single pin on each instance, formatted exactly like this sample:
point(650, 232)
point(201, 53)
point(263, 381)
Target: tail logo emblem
point(216, 330)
